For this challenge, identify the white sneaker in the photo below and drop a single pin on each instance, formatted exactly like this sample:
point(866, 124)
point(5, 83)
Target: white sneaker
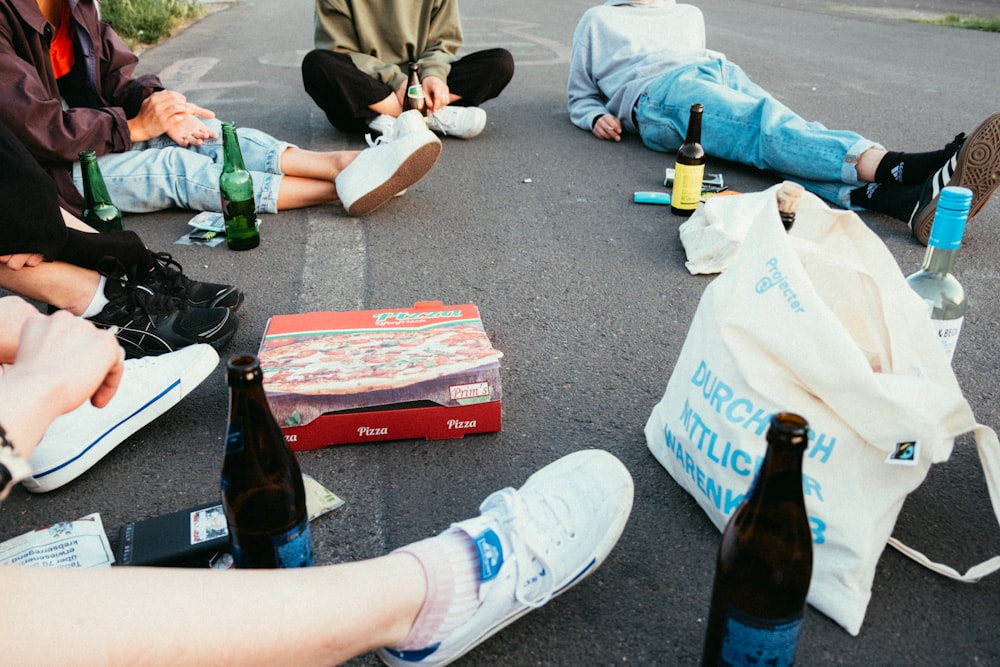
point(394, 162)
point(382, 123)
point(461, 122)
point(149, 387)
point(536, 543)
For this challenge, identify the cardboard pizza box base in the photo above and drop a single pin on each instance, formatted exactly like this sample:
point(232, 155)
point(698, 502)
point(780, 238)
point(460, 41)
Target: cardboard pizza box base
point(465, 399)
point(430, 423)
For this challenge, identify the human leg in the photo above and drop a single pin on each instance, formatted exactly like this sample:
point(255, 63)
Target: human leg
point(159, 174)
point(344, 93)
point(744, 123)
point(308, 616)
point(529, 546)
point(145, 322)
point(163, 175)
point(480, 76)
point(58, 284)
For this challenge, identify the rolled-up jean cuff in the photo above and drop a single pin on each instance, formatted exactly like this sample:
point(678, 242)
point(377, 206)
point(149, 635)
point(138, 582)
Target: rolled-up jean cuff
point(267, 201)
point(849, 169)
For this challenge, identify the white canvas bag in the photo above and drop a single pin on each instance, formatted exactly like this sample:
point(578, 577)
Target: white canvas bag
point(820, 322)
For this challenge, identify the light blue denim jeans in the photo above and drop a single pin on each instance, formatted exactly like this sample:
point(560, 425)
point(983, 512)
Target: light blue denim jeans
point(743, 123)
point(159, 174)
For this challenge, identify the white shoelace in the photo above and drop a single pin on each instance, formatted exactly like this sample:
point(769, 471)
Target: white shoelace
point(524, 533)
point(381, 140)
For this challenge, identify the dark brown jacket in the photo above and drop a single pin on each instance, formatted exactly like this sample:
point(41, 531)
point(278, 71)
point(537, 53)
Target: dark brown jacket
point(32, 107)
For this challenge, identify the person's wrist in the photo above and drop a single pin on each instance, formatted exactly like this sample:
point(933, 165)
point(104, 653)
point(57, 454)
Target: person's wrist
point(33, 403)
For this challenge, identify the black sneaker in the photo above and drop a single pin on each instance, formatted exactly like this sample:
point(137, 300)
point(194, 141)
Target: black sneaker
point(167, 277)
point(148, 324)
point(975, 166)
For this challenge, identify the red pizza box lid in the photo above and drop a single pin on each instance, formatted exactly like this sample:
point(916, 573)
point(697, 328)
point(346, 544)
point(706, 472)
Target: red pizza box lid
point(335, 362)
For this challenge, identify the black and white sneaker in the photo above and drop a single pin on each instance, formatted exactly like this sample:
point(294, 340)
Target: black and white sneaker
point(975, 166)
point(167, 277)
point(147, 323)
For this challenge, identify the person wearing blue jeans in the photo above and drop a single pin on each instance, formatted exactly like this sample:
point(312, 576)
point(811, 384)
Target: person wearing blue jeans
point(639, 65)
point(68, 86)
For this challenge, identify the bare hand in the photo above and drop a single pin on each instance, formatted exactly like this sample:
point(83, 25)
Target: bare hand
point(608, 128)
point(168, 112)
point(68, 360)
point(21, 260)
point(14, 312)
point(436, 93)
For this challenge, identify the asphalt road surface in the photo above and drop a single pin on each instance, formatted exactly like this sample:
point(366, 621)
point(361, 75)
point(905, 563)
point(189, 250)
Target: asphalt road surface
point(587, 296)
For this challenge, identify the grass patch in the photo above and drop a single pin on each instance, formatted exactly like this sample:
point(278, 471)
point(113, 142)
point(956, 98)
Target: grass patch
point(956, 21)
point(146, 22)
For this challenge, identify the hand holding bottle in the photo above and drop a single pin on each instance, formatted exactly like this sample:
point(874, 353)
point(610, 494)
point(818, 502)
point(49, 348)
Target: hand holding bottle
point(436, 93)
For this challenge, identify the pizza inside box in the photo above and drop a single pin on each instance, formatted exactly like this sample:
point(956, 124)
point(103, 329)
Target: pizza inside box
point(362, 376)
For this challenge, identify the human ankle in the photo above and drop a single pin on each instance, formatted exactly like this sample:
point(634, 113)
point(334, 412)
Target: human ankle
point(450, 565)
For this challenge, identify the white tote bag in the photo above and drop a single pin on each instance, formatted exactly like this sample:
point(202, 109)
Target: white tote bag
point(820, 322)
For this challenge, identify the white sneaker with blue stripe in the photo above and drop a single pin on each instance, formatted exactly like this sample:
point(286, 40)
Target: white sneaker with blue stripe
point(149, 386)
point(534, 544)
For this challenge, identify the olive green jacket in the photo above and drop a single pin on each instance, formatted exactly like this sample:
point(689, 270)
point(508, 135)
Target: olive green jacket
point(382, 37)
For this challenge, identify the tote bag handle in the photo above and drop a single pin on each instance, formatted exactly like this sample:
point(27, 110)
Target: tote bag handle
point(989, 455)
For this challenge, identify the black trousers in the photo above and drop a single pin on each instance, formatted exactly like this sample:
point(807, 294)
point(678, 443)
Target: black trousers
point(344, 92)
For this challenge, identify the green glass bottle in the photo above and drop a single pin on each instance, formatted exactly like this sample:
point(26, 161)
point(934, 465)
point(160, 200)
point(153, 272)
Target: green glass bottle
point(934, 282)
point(99, 212)
point(236, 192)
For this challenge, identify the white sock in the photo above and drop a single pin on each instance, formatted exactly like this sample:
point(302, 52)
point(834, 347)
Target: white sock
point(99, 300)
point(451, 566)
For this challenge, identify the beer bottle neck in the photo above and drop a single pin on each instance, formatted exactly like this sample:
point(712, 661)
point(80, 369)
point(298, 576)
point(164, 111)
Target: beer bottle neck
point(94, 189)
point(694, 128)
point(231, 154)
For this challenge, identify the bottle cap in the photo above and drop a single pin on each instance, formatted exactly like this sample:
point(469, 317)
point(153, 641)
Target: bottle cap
point(950, 217)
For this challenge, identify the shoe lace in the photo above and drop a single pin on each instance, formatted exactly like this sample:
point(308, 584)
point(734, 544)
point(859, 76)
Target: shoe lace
point(529, 532)
point(170, 272)
point(380, 140)
point(152, 303)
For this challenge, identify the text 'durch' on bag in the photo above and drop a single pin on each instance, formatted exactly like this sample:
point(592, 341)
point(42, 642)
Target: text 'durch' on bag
point(820, 322)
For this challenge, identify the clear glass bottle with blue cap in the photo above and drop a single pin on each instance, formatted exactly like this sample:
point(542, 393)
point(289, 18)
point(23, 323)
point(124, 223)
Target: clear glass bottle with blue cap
point(935, 281)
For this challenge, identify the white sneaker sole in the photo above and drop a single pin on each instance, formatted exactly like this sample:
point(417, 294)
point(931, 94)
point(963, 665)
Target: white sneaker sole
point(132, 407)
point(421, 152)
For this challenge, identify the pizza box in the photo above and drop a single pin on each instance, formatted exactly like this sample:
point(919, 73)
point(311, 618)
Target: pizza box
point(363, 376)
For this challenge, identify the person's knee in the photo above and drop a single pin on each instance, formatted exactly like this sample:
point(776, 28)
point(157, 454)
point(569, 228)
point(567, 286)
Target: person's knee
point(312, 66)
point(505, 65)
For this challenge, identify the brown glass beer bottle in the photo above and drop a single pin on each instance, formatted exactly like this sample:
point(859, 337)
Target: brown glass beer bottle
point(765, 560)
point(788, 200)
point(414, 92)
point(689, 168)
point(263, 495)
